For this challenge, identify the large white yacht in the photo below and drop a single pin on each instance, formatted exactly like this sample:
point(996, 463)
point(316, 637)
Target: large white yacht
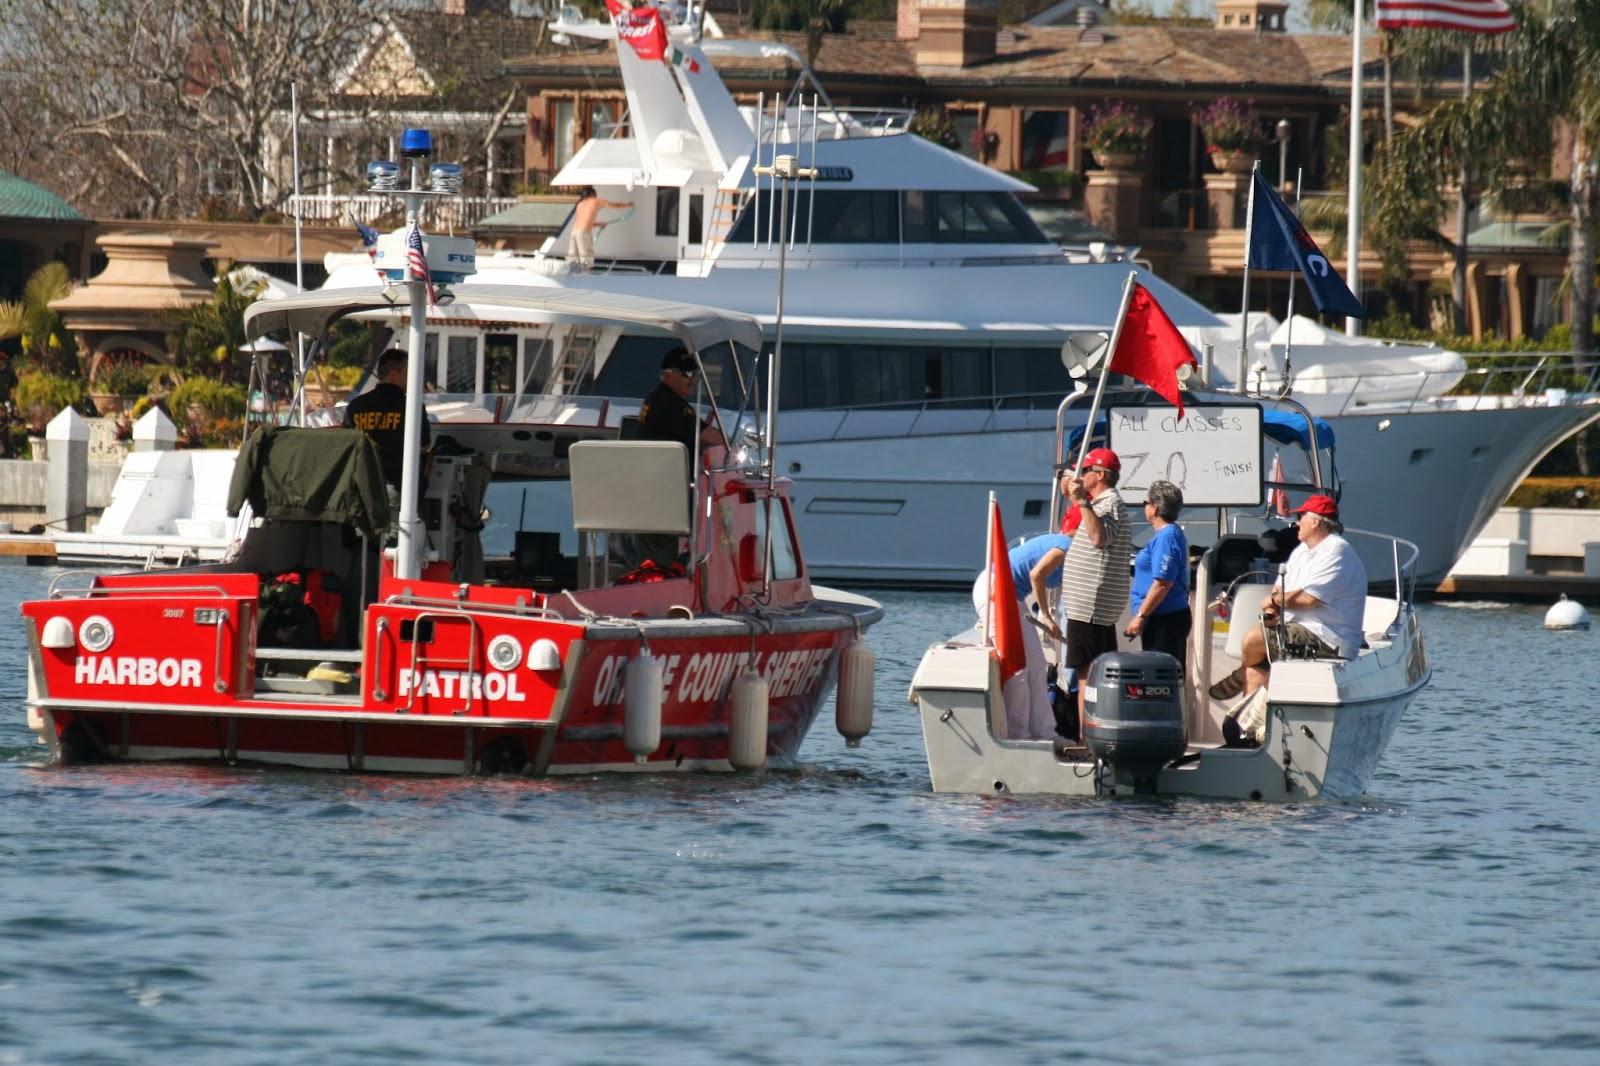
point(925, 314)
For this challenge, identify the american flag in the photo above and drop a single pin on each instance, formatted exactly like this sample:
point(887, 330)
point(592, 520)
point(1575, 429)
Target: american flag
point(418, 262)
point(369, 241)
point(1469, 16)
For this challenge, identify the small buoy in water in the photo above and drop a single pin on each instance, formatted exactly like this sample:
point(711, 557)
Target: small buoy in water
point(1566, 614)
point(853, 715)
point(641, 706)
point(747, 722)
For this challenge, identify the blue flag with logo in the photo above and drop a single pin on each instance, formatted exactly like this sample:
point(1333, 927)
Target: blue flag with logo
point(1279, 242)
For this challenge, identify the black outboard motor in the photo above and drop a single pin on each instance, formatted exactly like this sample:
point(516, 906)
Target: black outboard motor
point(1133, 714)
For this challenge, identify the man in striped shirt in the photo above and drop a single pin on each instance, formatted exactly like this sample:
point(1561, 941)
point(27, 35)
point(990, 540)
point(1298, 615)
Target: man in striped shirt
point(1095, 576)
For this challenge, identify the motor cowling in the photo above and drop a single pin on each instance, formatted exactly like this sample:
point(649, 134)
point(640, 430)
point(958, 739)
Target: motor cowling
point(1133, 714)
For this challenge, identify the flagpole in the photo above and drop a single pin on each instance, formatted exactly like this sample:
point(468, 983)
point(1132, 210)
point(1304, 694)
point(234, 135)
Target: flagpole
point(1241, 380)
point(1288, 333)
point(1353, 208)
point(299, 258)
point(988, 566)
point(1105, 370)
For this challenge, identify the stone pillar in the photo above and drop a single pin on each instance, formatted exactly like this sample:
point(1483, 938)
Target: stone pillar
point(66, 478)
point(1114, 201)
point(1225, 200)
point(154, 432)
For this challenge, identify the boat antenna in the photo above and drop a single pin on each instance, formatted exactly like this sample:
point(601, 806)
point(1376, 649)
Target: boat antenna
point(784, 171)
point(1241, 383)
point(1287, 382)
point(299, 257)
point(444, 179)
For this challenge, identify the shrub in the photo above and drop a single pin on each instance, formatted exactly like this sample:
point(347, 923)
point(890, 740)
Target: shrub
point(122, 375)
point(1229, 126)
point(215, 399)
point(934, 124)
point(40, 396)
point(1116, 127)
point(1581, 492)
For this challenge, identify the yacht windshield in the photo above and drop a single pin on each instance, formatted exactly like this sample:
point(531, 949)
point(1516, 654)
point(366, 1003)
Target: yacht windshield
point(882, 216)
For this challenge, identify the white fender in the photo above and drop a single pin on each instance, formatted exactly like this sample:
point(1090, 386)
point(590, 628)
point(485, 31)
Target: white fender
point(853, 716)
point(747, 722)
point(1566, 614)
point(641, 706)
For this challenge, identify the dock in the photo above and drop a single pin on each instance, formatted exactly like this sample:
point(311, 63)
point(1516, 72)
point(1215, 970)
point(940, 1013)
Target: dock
point(31, 548)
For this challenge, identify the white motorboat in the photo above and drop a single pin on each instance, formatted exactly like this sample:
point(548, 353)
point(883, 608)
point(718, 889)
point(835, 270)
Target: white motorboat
point(924, 315)
point(1321, 725)
point(167, 508)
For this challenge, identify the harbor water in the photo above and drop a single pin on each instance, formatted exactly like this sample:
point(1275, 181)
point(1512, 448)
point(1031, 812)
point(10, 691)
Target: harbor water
point(840, 912)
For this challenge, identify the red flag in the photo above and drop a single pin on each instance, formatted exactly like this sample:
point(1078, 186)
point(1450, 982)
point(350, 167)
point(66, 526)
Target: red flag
point(1278, 497)
point(1151, 349)
point(1465, 16)
point(641, 27)
point(1005, 611)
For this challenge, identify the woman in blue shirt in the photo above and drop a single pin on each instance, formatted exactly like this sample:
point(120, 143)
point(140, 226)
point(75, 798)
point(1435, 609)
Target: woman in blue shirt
point(1159, 597)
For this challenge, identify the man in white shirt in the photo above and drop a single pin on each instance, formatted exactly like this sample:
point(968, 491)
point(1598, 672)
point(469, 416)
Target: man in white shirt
point(1317, 610)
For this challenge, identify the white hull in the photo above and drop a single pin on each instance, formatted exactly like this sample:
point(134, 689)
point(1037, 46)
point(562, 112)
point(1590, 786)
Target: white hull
point(913, 514)
point(1327, 727)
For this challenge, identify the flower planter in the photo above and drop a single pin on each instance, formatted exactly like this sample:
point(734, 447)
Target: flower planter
point(1116, 160)
point(1235, 162)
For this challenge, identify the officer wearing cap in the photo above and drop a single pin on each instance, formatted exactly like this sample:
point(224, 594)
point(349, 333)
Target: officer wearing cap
point(1095, 575)
point(666, 413)
point(1315, 612)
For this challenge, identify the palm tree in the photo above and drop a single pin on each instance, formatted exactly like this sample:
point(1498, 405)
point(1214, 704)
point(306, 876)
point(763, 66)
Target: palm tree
point(815, 17)
point(45, 341)
point(1548, 80)
point(207, 338)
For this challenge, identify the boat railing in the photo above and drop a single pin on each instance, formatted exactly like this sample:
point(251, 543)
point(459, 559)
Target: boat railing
point(1403, 555)
point(1487, 382)
point(60, 589)
point(434, 604)
point(446, 212)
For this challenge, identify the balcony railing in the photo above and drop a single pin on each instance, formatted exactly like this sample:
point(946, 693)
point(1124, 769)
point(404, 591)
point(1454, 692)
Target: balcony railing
point(458, 213)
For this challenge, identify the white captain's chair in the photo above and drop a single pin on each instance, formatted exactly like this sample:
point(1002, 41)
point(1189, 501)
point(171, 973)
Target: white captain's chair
point(628, 486)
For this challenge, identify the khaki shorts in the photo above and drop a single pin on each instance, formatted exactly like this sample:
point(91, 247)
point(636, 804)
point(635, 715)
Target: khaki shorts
point(1294, 641)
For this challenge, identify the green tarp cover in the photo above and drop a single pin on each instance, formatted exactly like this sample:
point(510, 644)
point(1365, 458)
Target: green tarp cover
point(311, 475)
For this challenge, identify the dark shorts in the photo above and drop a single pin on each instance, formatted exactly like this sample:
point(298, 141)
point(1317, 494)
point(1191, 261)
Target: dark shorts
point(1086, 642)
point(1169, 633)
point(1294, 641)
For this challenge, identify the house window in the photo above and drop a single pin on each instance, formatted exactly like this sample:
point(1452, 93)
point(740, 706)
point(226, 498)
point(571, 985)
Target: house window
point(1044, 140)
point(966, 127)
point(563, 135)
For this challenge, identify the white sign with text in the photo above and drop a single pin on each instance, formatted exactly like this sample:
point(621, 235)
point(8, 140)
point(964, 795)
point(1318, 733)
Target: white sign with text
point(1213, 453)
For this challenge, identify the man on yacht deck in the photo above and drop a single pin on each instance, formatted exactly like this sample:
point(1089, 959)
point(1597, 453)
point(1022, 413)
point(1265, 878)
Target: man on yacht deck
point(586, 226)
point(1315, 612)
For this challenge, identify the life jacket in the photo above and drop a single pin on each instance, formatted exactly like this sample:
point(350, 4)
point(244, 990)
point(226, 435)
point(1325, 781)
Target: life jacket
point(648, 571)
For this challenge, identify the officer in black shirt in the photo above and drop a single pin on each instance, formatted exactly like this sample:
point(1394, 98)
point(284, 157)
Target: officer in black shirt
point(666, 413)
point(381, 414)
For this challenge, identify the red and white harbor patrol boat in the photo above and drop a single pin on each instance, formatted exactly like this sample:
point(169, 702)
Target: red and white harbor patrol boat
point(317, 646)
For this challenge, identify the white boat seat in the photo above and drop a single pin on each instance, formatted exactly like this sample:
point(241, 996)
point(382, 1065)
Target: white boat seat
point(629, 486)
point(1245, 614)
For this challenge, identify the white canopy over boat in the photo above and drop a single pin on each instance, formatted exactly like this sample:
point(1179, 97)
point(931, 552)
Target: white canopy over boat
point(696, 326)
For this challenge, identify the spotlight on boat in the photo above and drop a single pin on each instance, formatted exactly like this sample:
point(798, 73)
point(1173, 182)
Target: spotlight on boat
point(416, 144)
point(504, 652)
point(1566, 614)
point(1082, 352)
point(383, 176)
point(96, 633)
point(445, 178)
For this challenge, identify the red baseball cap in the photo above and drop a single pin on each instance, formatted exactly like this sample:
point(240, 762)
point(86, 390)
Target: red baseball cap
point(1322, 505)
point(1104, 458)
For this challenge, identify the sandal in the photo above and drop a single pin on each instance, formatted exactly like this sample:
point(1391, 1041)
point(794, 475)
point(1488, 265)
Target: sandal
point(1228, 687)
